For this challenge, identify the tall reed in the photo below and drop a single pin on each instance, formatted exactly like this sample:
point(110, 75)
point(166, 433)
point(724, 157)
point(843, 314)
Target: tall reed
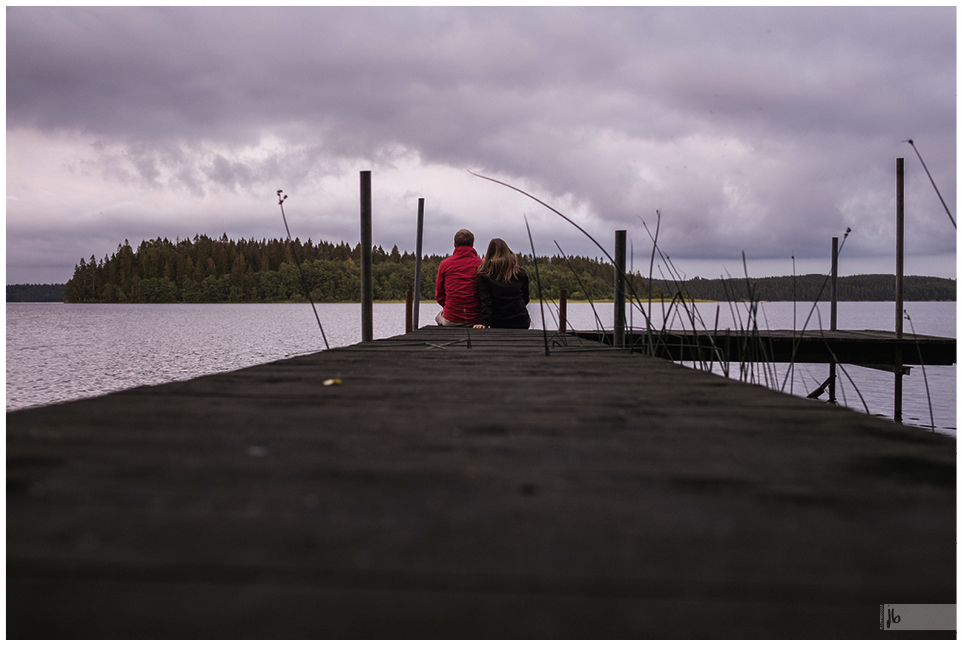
point(304, 284)
point(538, 282)
point(926, 383)
point(948, 213)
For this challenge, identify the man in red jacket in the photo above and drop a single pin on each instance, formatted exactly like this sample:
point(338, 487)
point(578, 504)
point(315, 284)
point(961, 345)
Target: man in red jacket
point(456, 287)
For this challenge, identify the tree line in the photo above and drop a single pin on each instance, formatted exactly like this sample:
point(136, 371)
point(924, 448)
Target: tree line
point(809, 288)
point(35, 292)
point(209, 270)
point(206, 270)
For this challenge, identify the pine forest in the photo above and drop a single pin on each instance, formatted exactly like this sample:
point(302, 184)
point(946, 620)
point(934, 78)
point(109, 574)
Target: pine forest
point(206, 270)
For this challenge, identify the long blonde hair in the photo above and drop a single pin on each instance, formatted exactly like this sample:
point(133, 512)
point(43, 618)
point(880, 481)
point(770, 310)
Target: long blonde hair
point(500, 262)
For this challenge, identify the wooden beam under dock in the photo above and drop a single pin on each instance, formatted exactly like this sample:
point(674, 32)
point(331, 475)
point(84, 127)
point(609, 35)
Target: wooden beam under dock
point(859, 347)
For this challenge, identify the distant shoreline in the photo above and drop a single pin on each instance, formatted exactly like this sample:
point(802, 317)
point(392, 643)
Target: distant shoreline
point(854, 288)
point(433, 303)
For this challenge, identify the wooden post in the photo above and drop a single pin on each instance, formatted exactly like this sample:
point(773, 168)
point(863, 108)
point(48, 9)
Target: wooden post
point(898, 393)
point(619, 328)
point(832, 318)
point(562, 310)
point(832, 287)
point(409, 299)
point(417, 289)
point(367, 295)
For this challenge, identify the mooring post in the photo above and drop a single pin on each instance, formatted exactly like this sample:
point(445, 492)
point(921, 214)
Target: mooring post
point(898, 365)
point(562, 310)
point(832, 318)
point(367, 296)
point(409, 299)
point(417, 288)
point(619, 329)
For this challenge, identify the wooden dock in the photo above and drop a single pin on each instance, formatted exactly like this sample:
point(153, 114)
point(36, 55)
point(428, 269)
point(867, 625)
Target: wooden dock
point(428, 486)
point(857, 347)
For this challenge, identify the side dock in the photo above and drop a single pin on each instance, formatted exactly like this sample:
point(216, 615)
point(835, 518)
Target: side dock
point(454, 483)
point(857, 347)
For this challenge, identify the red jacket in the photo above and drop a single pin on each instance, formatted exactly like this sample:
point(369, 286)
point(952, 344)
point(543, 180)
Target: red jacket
point(456, 287)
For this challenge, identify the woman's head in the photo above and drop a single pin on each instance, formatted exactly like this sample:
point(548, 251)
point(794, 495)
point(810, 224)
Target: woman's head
point(500, 262)
point(497, 248)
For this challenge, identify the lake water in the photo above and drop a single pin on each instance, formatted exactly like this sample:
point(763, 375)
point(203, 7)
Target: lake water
point(58, 352)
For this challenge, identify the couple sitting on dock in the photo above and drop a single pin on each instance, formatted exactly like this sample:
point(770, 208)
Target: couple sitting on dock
point(480, 293)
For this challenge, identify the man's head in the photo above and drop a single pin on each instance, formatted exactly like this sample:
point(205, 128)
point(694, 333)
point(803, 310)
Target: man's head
point(464, 238)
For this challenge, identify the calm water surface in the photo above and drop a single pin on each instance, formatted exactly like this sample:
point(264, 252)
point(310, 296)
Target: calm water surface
point(58, 352)
point(861, 389)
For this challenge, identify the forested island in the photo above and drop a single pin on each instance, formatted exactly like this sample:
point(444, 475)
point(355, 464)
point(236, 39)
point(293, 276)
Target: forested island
point(209, 270)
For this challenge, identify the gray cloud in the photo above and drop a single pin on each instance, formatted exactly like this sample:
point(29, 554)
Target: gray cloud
point(766, 130)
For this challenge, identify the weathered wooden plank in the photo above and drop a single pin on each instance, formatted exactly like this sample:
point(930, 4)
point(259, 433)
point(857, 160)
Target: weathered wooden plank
point(458, 492)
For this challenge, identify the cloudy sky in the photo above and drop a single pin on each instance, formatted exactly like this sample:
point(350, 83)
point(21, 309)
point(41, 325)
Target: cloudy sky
point(764, 131)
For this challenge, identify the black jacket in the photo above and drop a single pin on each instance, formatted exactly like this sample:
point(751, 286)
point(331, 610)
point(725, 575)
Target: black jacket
point(503, 305)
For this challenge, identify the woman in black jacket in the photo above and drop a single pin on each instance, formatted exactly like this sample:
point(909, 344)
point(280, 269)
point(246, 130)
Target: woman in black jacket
point(502, 289)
